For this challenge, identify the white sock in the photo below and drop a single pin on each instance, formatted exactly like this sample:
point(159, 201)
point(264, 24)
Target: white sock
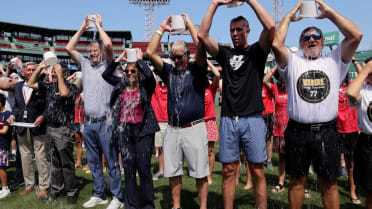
point(5, 188)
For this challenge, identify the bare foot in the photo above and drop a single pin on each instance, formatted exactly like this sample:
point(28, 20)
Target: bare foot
point(247, 187)
point(78, 165)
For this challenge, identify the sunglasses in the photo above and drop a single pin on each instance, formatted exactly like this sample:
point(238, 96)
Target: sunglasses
point(133, 71)
point(177, 57)
point(315, 36)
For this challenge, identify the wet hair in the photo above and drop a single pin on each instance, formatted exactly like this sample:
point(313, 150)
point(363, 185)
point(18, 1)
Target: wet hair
point(310, 29)
point(28, 63)
point(65, 69)
point(180, 45)
point(367, 60)
point(99, 42)
point(240, 18)
point(2, 100)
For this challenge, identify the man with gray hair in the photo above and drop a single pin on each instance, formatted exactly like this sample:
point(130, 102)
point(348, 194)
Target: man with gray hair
point(186, 134)
point(97, 131)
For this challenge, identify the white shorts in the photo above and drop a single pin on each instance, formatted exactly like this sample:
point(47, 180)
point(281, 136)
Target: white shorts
point(191, 142)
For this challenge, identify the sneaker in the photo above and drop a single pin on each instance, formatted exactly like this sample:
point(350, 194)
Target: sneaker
point(270, 166)
point(158, 175)
point(4, 193)
point(93, 201)
point(122, 171)
point(115, 204)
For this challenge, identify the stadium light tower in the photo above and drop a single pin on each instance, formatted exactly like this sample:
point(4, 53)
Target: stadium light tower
point(149, 14)
point(277, 11)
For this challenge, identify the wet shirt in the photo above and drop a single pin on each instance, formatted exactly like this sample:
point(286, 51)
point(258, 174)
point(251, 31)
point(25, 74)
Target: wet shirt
point(131, 108)
point(280, 115)
point(185, 93)
point(5, 138)
point(242, 77)
point(313, 85)
point(59, 110)
point(159, 103)
point(364, 109)
point(347, 121)
point(97, 91)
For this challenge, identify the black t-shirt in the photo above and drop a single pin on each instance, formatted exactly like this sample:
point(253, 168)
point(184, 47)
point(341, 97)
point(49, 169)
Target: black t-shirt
point(5, 138)
point(59, 111)
point(186, 92)
point(242, 74)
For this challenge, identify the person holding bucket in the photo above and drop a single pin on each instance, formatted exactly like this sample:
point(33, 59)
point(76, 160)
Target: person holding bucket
point(312, 83)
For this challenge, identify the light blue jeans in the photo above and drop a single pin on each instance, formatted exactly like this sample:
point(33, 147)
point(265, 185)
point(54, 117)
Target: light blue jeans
point(97, 139)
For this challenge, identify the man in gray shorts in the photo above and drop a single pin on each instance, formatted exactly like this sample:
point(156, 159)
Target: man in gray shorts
point(186, 134)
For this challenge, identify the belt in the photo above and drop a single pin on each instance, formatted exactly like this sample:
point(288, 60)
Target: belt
point(193, 123)
point(94, 120)
point(313, 127)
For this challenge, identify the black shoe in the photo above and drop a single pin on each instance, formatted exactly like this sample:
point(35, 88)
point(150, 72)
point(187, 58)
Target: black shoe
point(71, 200)
point(16, 185)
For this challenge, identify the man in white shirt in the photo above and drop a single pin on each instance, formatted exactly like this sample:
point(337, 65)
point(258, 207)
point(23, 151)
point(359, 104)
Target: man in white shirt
point(312, 82)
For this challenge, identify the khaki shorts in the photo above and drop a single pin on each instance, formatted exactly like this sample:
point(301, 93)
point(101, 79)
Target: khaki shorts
point(159, 136)
point(191, 142)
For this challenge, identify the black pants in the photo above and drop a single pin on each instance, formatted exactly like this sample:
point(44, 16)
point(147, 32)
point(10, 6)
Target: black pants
point(136, 156)
point(63, 165)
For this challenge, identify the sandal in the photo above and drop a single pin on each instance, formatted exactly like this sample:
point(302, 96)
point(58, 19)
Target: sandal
point(355, 201)
point(307, 194)
point(278, 188)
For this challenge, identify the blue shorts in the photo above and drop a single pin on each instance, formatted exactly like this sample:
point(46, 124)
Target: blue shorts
point(247, 131)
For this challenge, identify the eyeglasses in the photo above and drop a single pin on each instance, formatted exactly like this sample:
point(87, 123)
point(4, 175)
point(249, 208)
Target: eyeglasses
point(177, 57)
point(133, 71)
point(315, 36)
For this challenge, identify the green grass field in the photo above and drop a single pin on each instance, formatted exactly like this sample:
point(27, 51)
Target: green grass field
point(244, 199)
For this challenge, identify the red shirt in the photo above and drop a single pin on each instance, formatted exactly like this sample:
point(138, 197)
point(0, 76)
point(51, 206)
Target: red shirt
point(131, 108)
point(347, 121)
point(280, 116)
point(159, 103)
point(267, 98)
point(210, 94)
point(79, 110)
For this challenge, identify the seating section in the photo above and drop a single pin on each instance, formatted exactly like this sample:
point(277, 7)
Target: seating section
point(143, 46)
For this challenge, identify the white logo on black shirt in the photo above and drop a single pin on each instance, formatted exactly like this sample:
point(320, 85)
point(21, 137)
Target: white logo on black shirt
point(236, 61)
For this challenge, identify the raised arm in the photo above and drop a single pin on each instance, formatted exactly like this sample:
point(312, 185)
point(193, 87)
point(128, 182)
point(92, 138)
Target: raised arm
point(191, 27)
point(203, 33)
point(63, 90)
point(352, 33)
point(216, 73)
point(106, 40)
point(108, 73)
point(155, 59)
point(32, 83)
point(268, 76)
point(267, 34)
point(353, 90)
point(357, 66)
point(278, 46)
point(70, 47)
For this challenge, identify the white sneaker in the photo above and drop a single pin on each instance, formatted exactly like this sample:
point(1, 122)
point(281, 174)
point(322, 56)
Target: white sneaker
point(93, 201)
point(4, 193)
point(115, 204)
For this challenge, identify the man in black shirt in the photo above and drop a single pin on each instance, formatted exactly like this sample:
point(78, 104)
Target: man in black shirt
point(241, 118)
point(59, 115)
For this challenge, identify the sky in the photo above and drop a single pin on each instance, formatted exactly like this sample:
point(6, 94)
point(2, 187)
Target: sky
point(120, 15)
